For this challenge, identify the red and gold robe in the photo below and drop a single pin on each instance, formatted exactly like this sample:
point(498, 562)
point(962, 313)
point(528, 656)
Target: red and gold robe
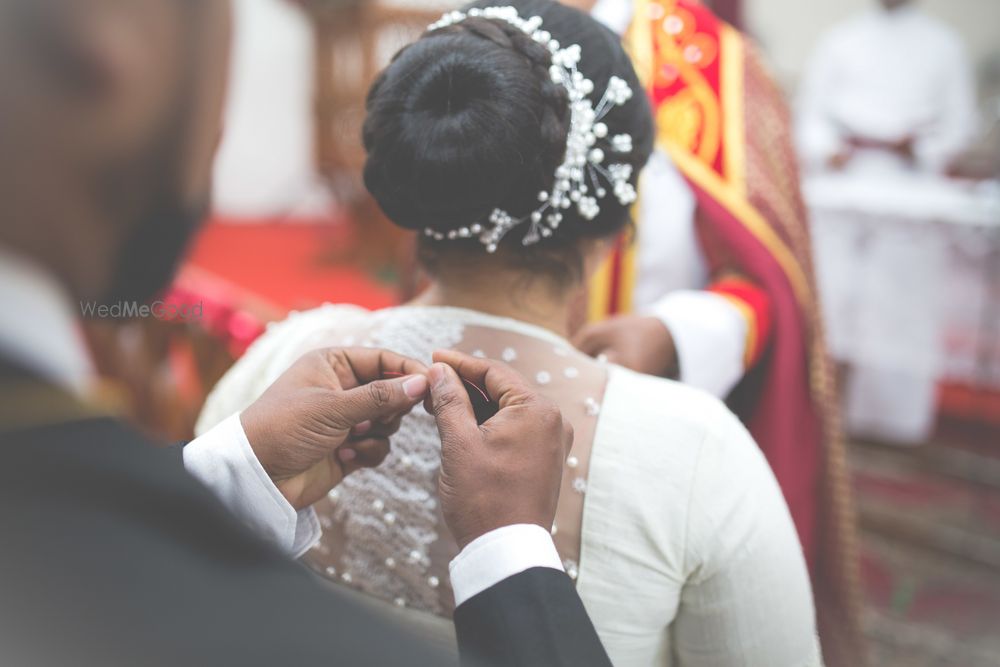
point(724, 123)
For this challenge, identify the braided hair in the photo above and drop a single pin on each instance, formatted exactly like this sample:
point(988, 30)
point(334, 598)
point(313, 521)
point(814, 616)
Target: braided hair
point(467, 119)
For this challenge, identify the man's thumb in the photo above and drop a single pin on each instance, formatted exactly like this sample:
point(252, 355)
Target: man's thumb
point(449, 402)
point(380, 399)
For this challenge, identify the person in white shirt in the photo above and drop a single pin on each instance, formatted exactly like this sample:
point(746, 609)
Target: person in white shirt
point(119, 553)
point(716, 287)
point(886, 108)
point(891, 89)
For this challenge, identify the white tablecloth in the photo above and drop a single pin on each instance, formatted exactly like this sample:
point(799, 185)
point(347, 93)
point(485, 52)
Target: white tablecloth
point(908, 267)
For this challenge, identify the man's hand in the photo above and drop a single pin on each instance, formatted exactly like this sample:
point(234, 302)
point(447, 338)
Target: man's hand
point(839, 160)
point(904, 147)
point(330, 414)
point(506, 471)
point(643, 344)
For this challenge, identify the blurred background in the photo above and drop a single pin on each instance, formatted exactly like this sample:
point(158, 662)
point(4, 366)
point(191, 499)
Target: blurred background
point(906, 236)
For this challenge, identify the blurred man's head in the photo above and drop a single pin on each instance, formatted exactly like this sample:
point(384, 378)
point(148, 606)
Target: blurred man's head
point(894, 4)
point(110, 113)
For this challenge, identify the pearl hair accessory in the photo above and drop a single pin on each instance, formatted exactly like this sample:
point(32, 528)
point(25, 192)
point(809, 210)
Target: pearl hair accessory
point(584, 158)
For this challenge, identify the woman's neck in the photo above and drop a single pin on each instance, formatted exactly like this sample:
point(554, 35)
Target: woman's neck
point(535, 303)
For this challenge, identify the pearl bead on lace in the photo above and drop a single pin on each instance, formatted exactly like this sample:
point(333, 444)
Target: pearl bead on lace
point(396, 570)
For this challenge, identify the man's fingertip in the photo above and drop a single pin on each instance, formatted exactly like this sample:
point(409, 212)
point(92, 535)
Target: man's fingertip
point(438, 375)
point(442, 355)
point(415, 386)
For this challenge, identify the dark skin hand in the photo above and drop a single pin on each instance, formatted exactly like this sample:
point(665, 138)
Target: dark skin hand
point(330, 414)
point(506, 471)
point(643, 344)
point(975, 164)
point(840, 159)
point(905, 147)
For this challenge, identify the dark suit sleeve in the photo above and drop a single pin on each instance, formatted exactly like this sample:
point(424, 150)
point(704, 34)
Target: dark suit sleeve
point(111, 548)
point(534, 618)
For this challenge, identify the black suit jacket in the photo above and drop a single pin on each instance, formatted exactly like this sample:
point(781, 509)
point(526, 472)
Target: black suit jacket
point(112, 555)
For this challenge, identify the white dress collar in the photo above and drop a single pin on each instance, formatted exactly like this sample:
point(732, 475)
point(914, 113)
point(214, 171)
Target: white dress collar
point(476, 318)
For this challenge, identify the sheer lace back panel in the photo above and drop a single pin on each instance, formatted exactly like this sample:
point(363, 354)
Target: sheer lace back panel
point(383, 529)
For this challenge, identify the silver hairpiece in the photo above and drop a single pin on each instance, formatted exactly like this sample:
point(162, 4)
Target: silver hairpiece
point(584, 159)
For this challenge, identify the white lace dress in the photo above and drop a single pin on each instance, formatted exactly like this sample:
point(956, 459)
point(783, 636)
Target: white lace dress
point(670, 520)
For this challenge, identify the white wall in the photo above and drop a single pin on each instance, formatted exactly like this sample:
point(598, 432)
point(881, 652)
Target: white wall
point(789, 29)
point(265, 165)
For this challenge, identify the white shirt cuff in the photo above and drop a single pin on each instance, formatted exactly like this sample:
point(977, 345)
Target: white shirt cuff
point(499, 554)
point(710, 336)
point(223, 460)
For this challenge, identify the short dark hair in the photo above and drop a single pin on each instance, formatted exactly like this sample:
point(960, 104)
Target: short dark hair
point(467, 119)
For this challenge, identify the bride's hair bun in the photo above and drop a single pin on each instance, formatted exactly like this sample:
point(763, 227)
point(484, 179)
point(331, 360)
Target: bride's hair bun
point(467, 119)
point(463, 120)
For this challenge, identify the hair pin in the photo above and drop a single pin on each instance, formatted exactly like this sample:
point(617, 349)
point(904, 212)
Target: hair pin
point(482, 405)
point(578, 180)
